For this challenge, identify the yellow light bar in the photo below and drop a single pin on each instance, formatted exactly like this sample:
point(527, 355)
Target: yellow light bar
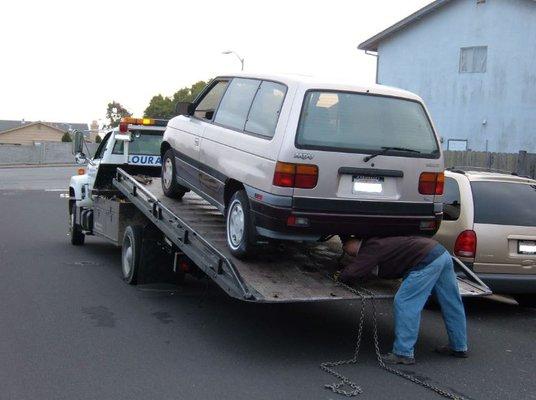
point(137, 121)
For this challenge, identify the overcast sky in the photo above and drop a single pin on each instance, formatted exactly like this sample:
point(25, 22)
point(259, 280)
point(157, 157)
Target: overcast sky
point(65, 60)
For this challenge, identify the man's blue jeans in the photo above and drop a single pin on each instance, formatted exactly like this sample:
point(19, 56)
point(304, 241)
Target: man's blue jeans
point(411, 297)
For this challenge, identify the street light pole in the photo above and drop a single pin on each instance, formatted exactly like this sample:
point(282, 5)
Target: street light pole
point(241, 59)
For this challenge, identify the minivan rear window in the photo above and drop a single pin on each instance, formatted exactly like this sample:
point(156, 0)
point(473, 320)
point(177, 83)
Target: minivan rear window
point(364, 123)
point(504, 203)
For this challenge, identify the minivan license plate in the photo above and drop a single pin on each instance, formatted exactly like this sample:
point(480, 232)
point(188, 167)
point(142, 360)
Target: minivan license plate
point(526, 247)
point(367, 184)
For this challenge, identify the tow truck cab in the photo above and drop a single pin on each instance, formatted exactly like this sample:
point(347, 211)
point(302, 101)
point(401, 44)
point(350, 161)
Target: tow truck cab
point(133, 146)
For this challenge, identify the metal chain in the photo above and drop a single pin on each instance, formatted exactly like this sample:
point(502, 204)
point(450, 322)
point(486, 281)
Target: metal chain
point(336, 387)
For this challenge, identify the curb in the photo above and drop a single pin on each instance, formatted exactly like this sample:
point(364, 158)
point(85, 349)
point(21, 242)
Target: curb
point(7, 166)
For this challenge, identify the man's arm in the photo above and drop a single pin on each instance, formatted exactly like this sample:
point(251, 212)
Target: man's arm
point(361, 265)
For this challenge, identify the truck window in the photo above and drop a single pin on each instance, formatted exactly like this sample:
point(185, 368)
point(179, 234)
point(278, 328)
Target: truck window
point(264, 113)
point(236, 102)
point(451, 200)
point(208, 104)
point(363, 123)
point(102, 147)
point(143, 143)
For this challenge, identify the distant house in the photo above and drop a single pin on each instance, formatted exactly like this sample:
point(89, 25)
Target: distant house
point(25, 132)
point(474, 64)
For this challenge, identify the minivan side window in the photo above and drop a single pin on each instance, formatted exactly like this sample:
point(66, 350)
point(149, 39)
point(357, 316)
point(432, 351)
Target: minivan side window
point(264, 113)
point(236, 102)
point(207, 106)
point(451, 200)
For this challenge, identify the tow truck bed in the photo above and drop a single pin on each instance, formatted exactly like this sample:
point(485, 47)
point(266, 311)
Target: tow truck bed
point(289, 272)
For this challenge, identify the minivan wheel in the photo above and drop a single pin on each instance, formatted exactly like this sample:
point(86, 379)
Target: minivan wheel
point(169, 177)
point(241, 237)
point(526, 300)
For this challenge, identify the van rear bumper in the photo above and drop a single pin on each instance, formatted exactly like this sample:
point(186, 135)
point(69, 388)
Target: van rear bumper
point(329, 217)
point(510, 283)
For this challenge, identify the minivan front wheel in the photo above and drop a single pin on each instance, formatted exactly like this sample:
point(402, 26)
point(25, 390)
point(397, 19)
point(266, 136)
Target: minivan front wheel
point(241, 237)
point(170, 186)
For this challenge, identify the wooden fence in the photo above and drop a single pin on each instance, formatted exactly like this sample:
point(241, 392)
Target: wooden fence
point(522, 163)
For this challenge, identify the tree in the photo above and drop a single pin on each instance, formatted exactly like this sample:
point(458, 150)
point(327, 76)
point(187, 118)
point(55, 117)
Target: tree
point(66, 137)
point(164, 107)
point(115, 112)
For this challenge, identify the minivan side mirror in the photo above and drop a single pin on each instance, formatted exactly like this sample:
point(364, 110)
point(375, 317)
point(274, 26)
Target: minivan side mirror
point(78, 141)
point(184, 108)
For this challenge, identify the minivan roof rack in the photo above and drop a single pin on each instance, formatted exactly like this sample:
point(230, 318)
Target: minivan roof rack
point(466, 168)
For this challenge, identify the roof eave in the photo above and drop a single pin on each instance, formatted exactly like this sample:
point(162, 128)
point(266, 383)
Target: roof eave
point(372, 43)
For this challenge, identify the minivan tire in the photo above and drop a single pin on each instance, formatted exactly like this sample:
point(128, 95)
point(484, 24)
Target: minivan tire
point(170, 187)
point(240, 230)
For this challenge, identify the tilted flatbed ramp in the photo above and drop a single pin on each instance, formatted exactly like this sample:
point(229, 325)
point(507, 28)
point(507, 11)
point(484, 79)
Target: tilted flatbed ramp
point(289, 272)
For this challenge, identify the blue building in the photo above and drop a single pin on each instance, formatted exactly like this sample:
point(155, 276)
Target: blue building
point(474, 64)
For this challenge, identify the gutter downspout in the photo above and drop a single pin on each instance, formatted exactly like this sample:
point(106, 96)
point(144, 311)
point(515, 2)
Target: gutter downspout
point(375, 54)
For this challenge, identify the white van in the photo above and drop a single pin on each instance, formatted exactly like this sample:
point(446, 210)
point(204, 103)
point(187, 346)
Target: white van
point(294, 158)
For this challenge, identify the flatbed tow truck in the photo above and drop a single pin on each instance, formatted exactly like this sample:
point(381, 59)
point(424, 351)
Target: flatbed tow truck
point(125, 204)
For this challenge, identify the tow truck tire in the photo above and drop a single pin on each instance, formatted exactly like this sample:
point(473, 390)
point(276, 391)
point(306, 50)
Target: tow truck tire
point(240, 231)
point(75, 230)
point(131, 253)
point(169, 177)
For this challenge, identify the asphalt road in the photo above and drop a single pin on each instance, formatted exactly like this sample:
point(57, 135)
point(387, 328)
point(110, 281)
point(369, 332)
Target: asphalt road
point(71, 329)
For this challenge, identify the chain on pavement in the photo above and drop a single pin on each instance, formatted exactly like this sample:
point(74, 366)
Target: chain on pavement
point(328, 367)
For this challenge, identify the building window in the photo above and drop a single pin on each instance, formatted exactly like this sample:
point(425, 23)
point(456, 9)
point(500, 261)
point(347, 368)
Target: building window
point(473, 59)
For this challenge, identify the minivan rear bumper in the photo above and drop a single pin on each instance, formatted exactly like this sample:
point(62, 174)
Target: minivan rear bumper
point(328, 217)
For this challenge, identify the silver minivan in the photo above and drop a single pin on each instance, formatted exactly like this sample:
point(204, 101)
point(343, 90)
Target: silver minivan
point(294, 158)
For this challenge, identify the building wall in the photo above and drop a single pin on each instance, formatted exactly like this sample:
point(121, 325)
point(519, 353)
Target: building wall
point(496, 110)
point(30, 134)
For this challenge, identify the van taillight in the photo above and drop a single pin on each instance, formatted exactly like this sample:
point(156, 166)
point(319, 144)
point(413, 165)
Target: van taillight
point(432, 183)
point(302, 176)
point(465, 245)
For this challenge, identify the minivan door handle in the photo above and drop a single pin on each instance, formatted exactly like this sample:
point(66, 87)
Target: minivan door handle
point(196, 141)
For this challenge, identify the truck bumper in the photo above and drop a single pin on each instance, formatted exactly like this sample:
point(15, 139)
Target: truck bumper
point(510, 283)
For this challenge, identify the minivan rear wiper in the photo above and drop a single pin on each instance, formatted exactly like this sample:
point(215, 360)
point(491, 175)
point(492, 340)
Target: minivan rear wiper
point(385, 150)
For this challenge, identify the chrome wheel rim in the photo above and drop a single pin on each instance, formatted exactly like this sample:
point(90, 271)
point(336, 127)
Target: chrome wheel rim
point(127, 257)
point(167, 174)
point(235, 223)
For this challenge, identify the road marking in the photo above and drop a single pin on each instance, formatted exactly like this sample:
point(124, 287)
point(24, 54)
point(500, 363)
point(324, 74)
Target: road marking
point(55, 190)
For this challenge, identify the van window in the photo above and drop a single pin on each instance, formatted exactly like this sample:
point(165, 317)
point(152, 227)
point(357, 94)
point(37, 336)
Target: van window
point(206, 108)
point(264, 113)
point(504, 203)
point(235, 105)
point(451, 200)
point(362, 123)
point(142, 143)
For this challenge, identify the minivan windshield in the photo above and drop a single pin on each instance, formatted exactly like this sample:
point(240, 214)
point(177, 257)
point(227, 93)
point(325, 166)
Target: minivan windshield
point(504, 203)
point(364, 123)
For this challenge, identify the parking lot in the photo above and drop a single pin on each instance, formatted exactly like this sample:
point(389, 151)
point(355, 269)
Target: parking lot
point(71, 329)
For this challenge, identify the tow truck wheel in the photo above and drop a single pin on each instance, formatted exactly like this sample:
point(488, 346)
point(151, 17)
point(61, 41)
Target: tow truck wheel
point(131, 254)
point(241, 238)
point(75, 230)
point(169, 177)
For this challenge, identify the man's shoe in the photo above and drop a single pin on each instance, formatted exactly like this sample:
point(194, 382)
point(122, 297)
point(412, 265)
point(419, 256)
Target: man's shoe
point(392, 358)
point(447, 351)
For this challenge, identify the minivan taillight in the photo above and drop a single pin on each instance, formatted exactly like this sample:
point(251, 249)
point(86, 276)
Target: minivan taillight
point(432, 183)
point(465, 245)
point(302, 176)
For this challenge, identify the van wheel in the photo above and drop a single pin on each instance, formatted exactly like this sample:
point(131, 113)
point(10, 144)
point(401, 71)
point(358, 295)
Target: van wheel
point(241, 237)
point(169, 177)
point(131, 254)
point(75, 230)
point(526, 300)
